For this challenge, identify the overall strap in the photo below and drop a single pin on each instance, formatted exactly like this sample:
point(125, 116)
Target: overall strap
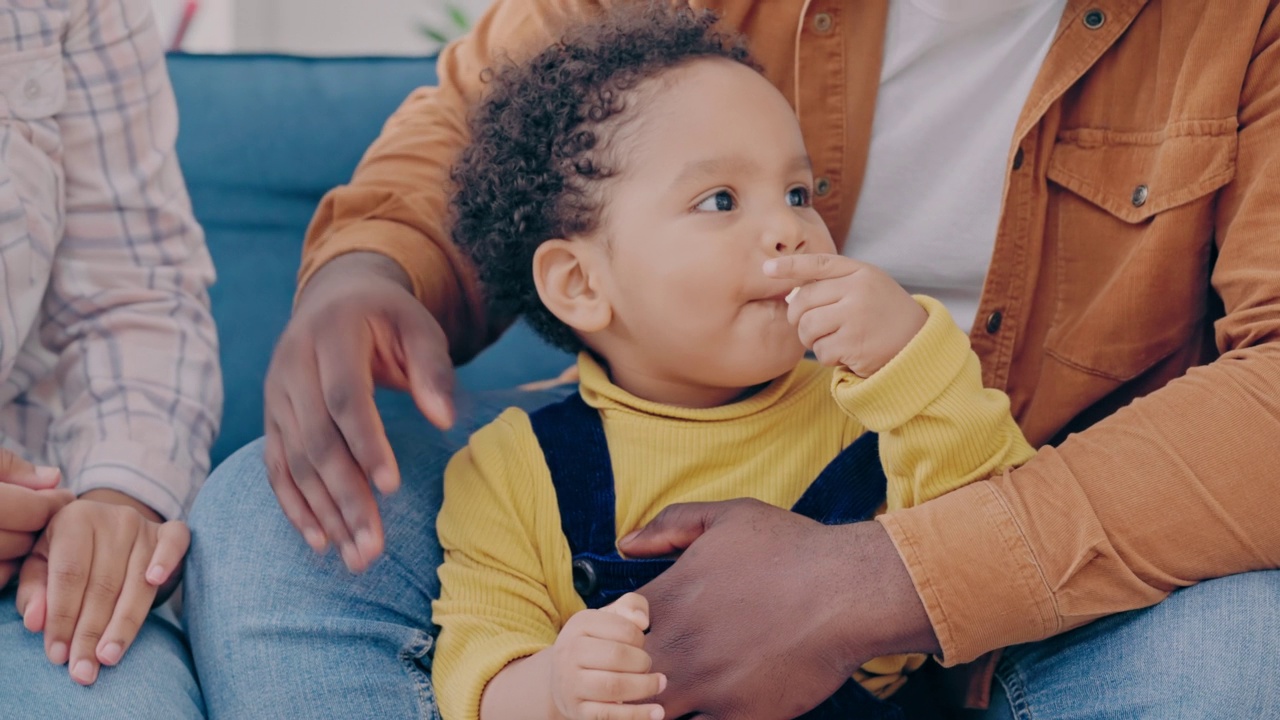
point(572, 438)
point(851, 488)
point(571, 435)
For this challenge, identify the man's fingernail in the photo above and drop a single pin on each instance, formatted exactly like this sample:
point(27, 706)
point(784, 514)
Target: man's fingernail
point(629, 537)
point(111, 653)
point(48, 474)
point(656, 713)
point(770, 266)
point(662, 683)
point(58, 653)
point(85, 671)
point(155, 574)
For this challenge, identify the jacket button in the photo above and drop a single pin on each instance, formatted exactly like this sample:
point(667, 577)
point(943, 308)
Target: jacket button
point(822, 186)
point(1140, 195)
point(585, 580)
point(822, 22)
point(994, 321)
point(1017, 159)
point(1095, 19)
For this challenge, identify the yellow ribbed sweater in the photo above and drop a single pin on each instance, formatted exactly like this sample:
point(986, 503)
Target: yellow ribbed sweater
point(506, 581)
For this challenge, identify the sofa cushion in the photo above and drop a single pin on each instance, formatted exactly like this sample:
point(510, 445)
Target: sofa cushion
point(262, 138)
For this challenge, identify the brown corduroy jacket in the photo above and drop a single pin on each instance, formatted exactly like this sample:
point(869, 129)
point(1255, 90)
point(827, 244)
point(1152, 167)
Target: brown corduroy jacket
point(1131, 310)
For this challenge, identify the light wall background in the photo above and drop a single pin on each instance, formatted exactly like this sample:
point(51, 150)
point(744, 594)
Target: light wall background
point(312, 27)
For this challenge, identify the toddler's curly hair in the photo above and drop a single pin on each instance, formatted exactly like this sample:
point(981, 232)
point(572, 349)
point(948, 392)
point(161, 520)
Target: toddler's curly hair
point(538, 152)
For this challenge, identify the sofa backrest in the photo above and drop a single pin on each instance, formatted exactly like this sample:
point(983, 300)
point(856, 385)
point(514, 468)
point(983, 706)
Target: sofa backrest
point(262, 138)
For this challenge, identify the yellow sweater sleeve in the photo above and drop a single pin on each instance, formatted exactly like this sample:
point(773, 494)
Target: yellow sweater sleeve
point(939, 427)
point(496, 603)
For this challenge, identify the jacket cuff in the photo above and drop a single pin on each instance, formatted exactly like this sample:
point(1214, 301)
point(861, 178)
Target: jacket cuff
point(432, 274)
point(974, 571)
point(401, 243)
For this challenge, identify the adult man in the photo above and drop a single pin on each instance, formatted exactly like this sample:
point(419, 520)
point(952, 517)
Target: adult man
point(1094, 183)
point(108, 364)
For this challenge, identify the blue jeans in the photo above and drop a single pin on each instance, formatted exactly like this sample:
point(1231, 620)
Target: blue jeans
point(278, 632)
point(1207, 652)
point(154, 680)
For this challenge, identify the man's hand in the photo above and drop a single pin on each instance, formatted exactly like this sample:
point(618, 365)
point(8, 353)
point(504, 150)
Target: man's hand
point(93, 577)
point(598, 664)
point(27, 501)
point(767, 613)
point(848, 313)
point(356, 324)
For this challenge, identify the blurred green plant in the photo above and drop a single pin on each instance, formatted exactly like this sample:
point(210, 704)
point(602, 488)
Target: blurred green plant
point(455, 25)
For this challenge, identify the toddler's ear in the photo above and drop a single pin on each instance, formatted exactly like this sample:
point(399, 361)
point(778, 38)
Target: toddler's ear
point(563, 271)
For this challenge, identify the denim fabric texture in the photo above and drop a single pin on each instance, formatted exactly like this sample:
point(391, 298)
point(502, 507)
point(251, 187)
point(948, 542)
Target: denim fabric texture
point(280, 632)
point(1208, 652)
point(154, 680)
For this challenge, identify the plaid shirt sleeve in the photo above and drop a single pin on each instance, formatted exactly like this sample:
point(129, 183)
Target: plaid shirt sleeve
point(127, 309)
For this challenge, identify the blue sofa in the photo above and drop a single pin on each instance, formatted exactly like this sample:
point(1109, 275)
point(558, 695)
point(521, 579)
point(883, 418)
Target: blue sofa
point(262, 138)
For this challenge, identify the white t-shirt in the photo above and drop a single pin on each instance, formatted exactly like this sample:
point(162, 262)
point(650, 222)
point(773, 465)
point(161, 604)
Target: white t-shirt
point(955, 78)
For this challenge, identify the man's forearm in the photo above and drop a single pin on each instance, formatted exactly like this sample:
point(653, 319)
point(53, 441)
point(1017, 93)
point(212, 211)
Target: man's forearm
point(881, 611)
point(1161, 495)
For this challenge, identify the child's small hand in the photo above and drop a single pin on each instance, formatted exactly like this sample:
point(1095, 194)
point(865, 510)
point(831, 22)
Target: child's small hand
point(599, 663)
point(92, 578)
point(848, 312)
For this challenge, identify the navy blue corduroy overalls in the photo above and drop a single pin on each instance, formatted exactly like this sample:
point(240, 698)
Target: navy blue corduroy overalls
point(572, 438)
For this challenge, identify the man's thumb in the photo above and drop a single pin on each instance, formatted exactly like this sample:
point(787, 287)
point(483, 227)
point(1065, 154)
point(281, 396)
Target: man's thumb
point(673, 530)
point(17, 471)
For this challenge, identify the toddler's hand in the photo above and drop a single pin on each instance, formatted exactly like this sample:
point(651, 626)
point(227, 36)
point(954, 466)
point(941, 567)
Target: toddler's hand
point(92, 579)
point(848, 312)
point(598, 663)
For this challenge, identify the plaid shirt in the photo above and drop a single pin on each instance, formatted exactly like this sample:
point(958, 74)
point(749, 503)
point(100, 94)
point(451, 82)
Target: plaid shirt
point(108, 354)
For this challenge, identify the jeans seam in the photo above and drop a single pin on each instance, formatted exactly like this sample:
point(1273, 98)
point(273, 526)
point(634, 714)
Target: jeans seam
point(410, 656)
point(1015, 689)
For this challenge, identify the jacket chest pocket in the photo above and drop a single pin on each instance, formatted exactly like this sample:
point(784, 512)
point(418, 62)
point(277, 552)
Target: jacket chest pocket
point(1132, 223)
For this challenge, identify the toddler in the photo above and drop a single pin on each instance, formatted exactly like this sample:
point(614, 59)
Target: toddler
point(641, 194)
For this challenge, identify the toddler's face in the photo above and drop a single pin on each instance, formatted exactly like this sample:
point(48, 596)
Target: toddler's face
point(714, 180)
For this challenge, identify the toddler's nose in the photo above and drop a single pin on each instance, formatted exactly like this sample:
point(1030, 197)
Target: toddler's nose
point(789, 247)
point(786, 238)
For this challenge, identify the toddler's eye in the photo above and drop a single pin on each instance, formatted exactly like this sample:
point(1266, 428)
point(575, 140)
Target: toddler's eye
point(798, 197)
point(720, 202)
